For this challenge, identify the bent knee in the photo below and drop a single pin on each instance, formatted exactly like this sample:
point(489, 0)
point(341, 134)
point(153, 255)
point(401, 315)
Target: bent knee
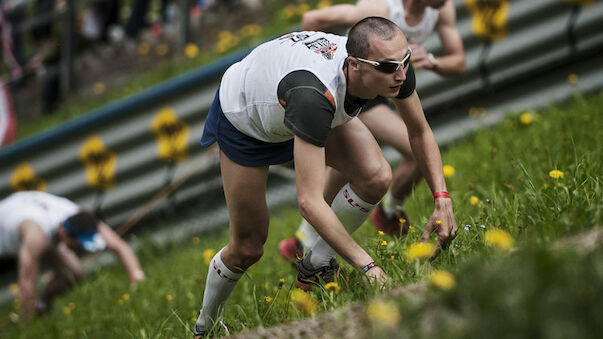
point(248, 255)
point(381, 179)
point(374, 184)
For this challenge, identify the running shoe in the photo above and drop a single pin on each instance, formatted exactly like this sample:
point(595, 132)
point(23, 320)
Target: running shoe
point(291, 249)
point(396, 225)
point(199, 333)
point(308, 277)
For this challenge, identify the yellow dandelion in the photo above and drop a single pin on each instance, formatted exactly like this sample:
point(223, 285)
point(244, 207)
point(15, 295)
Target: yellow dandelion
point(288, 12)
point(411, 227)
point(448, 171)
point(191, 50)
point(572, 78)
point(143, 48)
point(169, 297)
point(196, 240)
point(13, 288)
point(474, 201)
point(281, 280)
point(526, 118)
point(383, 243)
point(393, 257)
point(499, 238)
point(383, 314)
point(303, 301)
point(477, 111)
point(438, 222)
point(250, 30)
point(556, 174)
point(268, 298)
point(98, 88)
point(381, 233)
point(302, 8)
point(402, 220)
point(126, 296)
point(71, 305)
point(332, 287)
point(162, 49)
point(323, 4)
point(66, 310)
point(443, 280)
point(208, 254)
point(419, 250)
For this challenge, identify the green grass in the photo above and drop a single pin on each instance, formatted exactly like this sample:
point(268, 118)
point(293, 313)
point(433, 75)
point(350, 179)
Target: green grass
point(531, 291)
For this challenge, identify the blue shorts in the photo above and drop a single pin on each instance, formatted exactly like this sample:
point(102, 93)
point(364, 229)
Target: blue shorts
point(241, 148)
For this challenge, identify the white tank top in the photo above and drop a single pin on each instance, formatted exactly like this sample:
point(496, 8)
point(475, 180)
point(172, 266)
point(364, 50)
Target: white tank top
point(248, 91)
point(45, 209)
point(421, 31)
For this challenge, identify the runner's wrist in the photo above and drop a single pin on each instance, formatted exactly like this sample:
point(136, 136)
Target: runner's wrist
point(441, 194)
point(369, 266)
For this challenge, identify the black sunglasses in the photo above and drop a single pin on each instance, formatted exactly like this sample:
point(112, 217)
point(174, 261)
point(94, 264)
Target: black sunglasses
point(388, 66)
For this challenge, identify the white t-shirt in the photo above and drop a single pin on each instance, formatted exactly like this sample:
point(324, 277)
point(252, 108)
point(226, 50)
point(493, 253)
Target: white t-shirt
point(419, 32)
point(45, 209)
point(248, 91)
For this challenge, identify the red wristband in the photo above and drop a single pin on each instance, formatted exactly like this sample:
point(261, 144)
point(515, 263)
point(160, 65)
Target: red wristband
point(442, 194)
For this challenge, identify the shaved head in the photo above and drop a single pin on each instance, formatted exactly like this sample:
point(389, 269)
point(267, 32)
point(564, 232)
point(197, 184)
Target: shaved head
point(363, 31)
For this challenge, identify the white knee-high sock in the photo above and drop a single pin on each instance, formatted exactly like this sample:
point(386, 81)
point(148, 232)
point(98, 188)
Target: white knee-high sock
point(306, 234)
point(218, 286)
point(352, 211)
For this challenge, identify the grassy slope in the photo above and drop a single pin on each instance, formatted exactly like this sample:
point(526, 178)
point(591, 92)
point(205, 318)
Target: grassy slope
point(533, 291)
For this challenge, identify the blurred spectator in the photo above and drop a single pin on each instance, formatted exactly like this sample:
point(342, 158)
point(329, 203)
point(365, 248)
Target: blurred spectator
point(43, 32)
point(99, 17)
point(138, 16)
point(12, 13)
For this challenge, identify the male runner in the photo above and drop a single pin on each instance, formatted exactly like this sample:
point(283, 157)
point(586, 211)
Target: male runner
point(417, 19)
point(297, 98)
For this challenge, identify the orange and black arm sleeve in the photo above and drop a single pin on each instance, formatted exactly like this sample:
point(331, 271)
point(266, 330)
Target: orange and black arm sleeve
point(309, 106)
